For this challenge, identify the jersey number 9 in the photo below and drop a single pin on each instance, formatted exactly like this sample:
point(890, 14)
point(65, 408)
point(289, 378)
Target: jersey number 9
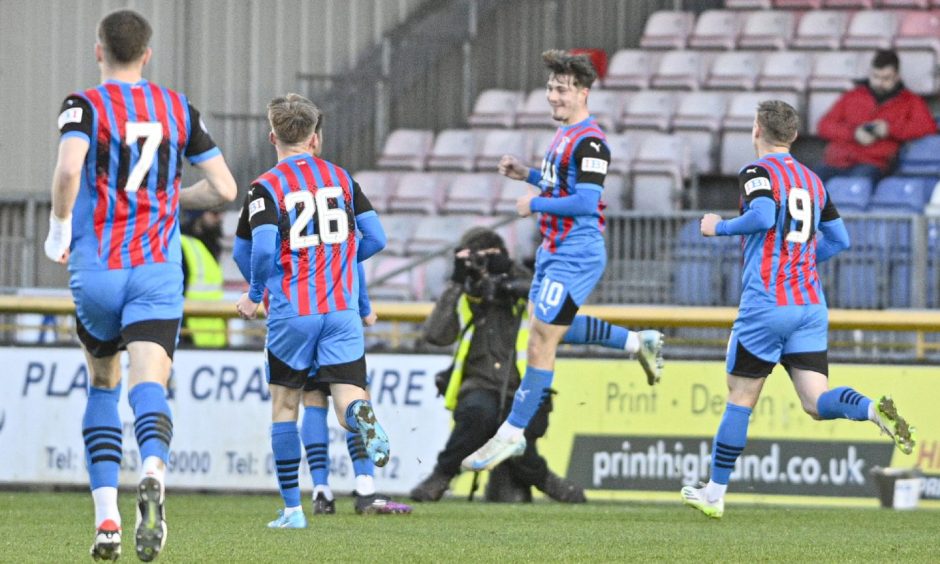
point(800, 204)
point(332, 227)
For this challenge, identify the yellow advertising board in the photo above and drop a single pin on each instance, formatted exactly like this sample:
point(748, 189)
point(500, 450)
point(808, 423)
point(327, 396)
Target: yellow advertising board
point(621, 439)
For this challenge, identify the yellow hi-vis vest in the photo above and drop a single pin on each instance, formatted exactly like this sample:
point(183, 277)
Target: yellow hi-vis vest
point(464, 317)
point(205, 283)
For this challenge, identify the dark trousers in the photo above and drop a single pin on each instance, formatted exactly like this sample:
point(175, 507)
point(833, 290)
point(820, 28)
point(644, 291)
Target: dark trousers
point(476, 419)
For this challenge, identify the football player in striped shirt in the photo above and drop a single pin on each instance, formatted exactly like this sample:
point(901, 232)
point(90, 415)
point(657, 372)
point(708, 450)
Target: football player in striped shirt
point(304, 214)
point(116, 195)
point(569, 263)
point(783, 317)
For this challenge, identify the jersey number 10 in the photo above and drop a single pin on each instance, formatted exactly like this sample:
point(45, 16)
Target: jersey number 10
point(331, 222)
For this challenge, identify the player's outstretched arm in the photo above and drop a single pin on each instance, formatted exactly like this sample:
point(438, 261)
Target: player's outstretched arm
point(583, 202)
point(373, 235)
point(834, 240)
point(66, 179)
point(217, 188)
point(511, 167)
point(760, 216)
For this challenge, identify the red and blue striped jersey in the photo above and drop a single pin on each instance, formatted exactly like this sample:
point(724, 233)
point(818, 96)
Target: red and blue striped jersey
point(126, 212)
point(314, 204)
point(780, 263)
point(578, 156)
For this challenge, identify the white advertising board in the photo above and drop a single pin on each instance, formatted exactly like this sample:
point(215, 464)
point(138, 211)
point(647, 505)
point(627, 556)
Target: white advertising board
point(222, 417)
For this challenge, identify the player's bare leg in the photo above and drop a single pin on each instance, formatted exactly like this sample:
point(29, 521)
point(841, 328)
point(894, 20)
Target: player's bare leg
point(845, 403)
point(354, 412)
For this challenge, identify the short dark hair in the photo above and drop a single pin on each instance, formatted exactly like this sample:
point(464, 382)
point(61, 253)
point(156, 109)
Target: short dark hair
point(778, 121)
point(293, 118)
point(479, 238)
point(886, 58)
point(124, 35)
point(579, 67)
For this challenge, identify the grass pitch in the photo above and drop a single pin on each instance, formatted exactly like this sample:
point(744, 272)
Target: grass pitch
point(57, 527)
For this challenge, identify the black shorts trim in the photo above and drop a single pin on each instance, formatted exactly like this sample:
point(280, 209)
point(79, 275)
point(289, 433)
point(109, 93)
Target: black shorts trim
point(748, 365)
point(95, 347)
point(314, 384)
point(817, 361)
point(353, 373)
point(163, 332)
point(281, 374)
point(567, 313)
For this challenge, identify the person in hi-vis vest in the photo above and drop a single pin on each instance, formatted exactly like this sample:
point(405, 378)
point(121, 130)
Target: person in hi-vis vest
point(201, 236)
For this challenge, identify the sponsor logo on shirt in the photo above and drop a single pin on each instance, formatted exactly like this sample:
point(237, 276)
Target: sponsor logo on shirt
point(594, 165)
point(71, 115)
point(754, 184)
point(254, 207)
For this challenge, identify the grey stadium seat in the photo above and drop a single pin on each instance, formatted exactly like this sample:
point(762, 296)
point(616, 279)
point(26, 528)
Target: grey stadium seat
point(406, 149)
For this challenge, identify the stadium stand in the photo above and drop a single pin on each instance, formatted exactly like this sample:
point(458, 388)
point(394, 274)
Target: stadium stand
point(418, 192)
point(902, 194)
point(379, 186)
point(681, 69)
point(698, 120)
point(767, 30)
point(785, 70)
point(871, 29)
point(716, 29)
point(920, 157)
point(735, 70)
point(631, 68)
point(660, 165)
point(607, 107)
point(472, 193)
point(820, 30)
point(649, 109)
point(850, 193)
point(535, 112)
point(499, 142)
point(667, 30)
point(407, 149)
point(454, 149)
point(496, 108)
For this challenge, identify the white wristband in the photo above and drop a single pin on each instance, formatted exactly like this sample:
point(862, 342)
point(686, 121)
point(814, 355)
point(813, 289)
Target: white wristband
point(60, 237)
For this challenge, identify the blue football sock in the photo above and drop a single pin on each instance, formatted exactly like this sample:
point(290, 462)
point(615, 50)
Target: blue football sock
point(153, 422)
point(362, 464)
point(529, 396)
point(587, 330)
point(729, 441)
point(316, 438)
point(101, 429)
point(351, 422)
point(285, 443)
point(843, 403)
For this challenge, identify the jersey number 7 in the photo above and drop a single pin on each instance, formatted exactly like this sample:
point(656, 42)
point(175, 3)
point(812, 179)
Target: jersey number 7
point(331, 222)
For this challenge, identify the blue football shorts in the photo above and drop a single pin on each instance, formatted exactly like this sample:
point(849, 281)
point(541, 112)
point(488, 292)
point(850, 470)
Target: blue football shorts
point(116, 307)
point(794, 336)
point(332, 344)
point(563, 281)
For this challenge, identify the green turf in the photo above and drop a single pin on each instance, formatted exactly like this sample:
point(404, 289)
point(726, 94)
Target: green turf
point(57, 527)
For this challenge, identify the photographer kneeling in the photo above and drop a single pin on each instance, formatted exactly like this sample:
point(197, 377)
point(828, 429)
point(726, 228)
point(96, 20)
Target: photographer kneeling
point(484, 307)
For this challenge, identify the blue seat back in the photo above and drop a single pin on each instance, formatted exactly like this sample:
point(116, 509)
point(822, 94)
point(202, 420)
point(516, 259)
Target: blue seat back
point(850, 193)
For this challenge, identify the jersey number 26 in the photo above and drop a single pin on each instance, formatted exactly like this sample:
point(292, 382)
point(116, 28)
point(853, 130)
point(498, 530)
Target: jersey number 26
point(331, 222)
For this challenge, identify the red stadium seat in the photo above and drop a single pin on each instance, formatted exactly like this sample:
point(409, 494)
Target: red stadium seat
point(918, 45)
point(407, 149)
point(820, 30)
point(667, 29)
point(496, 108)
point(798, 4)
point(923, 4)
point(598, 59)
point(849, 4)
point(748, 4)
point(736, 70)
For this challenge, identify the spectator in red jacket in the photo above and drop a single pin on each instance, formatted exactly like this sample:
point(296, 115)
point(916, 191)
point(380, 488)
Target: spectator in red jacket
point(868, 124)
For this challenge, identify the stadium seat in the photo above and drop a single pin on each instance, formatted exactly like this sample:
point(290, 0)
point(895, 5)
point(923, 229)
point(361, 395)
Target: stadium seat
point(798, 4)
point(432, 277)
point(767, 30)
point(535, 112)
point(850, 193)
point(507, 192)
point(681, 69)
point(920, 157)
point(522, 237)
point(918, 45)
point(716, 29)
point(615, 193)
point(820, 30)
point(736, 70)
point(837, 70)
point(631, 68)
point(607, 107)
point(454, 149)
point(385, 283)
point(902, 193)
point(398, 231)
point(696, 270)
point(658, 173)
point(819, 104)
point(736, 145)
point(406, 149)
point(539, 142)
point(623, 148)
point(933, 207)
point(649, 109)
point(418, 192)
point(667, 29)
point(438, 232)
point(471, 193)
point(499, 142)
point(748, 4)
point(598, 59)
point(496, 108)
point(849, 4)
point(922, 4)
point(871, 29)
point(785, 70)
point(698, 119)
point(378, 185)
